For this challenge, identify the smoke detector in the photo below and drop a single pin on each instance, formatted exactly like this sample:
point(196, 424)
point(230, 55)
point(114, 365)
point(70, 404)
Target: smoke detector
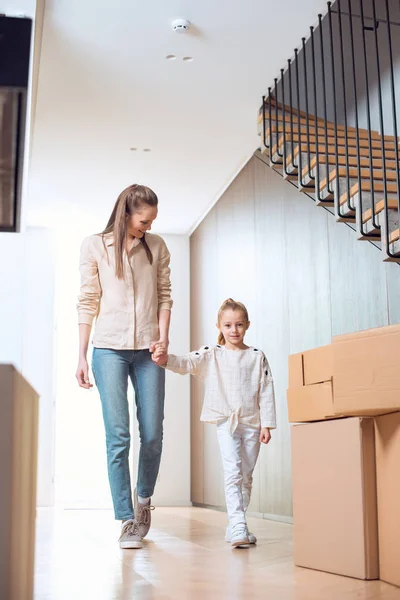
point(180, 25)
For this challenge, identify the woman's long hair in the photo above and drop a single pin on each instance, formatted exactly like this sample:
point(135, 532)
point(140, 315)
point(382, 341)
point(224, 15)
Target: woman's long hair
point(129, 201)
point(230, 304)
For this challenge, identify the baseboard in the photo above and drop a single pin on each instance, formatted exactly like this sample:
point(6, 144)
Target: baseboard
point(266, 516)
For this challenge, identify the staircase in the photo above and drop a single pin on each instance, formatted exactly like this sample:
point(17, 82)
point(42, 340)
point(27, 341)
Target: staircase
point(350, 171)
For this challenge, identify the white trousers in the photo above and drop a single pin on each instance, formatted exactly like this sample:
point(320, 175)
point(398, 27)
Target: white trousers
point(239, 452)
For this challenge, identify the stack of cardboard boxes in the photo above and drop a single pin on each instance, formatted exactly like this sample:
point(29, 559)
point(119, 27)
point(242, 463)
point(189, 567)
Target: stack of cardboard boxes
point(346, 455)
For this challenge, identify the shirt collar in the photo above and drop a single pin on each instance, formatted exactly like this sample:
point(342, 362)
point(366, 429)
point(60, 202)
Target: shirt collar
point(109, 240)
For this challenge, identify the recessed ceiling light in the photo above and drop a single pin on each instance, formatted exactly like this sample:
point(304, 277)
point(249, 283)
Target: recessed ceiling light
point(170, 57)
point(133, 149)
point(146, 149)
point(187, 58)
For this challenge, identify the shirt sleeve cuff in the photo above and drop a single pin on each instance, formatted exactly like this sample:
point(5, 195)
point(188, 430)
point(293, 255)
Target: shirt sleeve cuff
point(165, 305)
point(269, 424)
point(85, 319)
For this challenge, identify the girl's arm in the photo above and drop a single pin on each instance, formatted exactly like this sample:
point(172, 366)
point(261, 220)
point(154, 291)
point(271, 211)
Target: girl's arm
point(193, 363)
point(267, 397)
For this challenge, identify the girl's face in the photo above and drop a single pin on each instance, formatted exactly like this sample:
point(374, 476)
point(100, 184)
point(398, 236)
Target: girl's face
point(142, 220)
point(233, 327)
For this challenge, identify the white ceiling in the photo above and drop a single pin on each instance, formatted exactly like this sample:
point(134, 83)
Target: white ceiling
point(105, 86)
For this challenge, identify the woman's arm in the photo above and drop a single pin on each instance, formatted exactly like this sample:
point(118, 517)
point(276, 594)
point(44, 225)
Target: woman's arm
point(164, 319)
point(88, 308)
point(82, 372)
point(164, 297)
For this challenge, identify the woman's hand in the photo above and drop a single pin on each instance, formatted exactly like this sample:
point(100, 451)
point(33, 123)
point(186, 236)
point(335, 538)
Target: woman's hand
point(159, 343)
point(82, 374)
point(160, 355)
point(265, 435)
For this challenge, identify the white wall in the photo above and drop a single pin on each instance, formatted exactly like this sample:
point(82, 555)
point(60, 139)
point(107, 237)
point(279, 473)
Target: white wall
point(81, 475)
point(12, 248)
point(27, 330)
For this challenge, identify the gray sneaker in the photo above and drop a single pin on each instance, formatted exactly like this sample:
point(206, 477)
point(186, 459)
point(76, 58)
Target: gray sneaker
point(130, 536)
point(142, 515)
point(251, 536)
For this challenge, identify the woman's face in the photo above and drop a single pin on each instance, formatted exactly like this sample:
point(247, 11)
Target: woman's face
point(142, 220)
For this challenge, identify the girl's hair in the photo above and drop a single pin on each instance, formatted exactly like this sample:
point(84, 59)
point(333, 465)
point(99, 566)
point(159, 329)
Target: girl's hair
point(230, 304)
point(129, 202)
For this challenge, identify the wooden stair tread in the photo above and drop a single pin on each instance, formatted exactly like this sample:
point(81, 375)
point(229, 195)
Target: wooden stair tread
point(352, 161)
point(394, 236)
point(294, 111)
point(302, 120)
point(366, 187)
point(365, 174)
point(364, 152)
point(321, 132)
point(320, 121)
point(379, 206)
point(351, 142)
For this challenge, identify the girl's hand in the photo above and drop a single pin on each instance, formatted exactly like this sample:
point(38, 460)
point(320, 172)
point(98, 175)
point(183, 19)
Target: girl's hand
point(82, 374)
point(265, 435)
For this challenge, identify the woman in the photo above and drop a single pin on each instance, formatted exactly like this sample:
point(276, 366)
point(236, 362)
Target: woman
point(125, 285)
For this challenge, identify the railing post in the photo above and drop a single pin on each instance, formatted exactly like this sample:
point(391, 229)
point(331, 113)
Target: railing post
point(291, 113)
point(346, 139)
point(284, 124)
point(276, 117)
point(381, 123)
point(303, 41)
point(358, 154)
point(368, 107)
point(395, 133)
point(271, 158)
point(299, 160)
point(321, 39)
point(335, 123)
point(314, 76)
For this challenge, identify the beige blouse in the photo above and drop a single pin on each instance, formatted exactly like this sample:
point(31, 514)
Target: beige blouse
point(238, 385)
point(126, 310)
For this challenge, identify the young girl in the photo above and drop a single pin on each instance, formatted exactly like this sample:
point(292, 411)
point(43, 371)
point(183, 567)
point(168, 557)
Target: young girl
point(239, 398)
point(126, 289)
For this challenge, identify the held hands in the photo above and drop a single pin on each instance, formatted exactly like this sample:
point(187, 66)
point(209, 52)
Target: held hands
point(265, 435)
point(159, 352)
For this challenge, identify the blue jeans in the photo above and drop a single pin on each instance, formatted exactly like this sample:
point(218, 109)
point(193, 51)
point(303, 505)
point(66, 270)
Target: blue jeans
point(111, 369)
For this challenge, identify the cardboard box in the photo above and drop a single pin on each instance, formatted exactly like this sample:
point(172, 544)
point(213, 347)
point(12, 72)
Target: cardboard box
point(318, 365)
point(296, 375)
point(367, 372)
point(387, 436)
point(313, 366)
point(334, 497)
point(310, 403)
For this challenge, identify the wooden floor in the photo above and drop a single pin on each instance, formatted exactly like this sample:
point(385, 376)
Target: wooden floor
point(185, 557)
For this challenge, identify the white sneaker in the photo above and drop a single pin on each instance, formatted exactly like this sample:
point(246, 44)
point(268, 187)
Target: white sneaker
point(240, 536)
point(130, 536)
point(251, 536)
